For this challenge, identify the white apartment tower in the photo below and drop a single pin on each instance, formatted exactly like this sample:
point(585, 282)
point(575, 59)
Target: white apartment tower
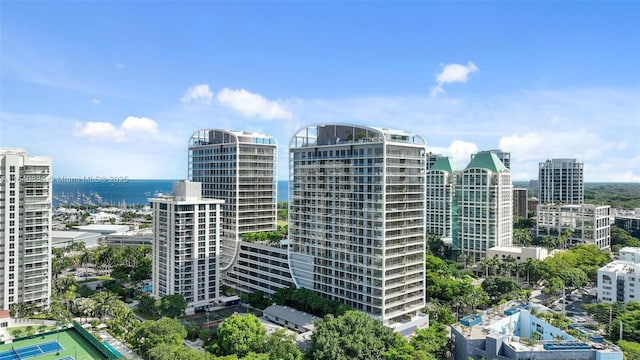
point(240, 168)
point(186, 245)
point(485, 209)
point(561, 181)
point(356, 217)
point(25, 226)
point(440, 190)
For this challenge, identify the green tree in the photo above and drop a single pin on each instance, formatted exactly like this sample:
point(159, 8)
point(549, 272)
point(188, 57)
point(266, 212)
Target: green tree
point(553, 286)
point(630, 319)
point(630, 349)
point(173, 306)
point(500, 287)
point(240, 334)
point(149, 334)
point(281, 346)
point(432, 340)
point(353, 335)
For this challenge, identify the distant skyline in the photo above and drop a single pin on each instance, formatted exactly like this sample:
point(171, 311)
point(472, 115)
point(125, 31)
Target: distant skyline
point(117, 88)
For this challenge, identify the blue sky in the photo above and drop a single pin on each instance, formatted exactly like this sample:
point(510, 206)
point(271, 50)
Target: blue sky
point(117, 88)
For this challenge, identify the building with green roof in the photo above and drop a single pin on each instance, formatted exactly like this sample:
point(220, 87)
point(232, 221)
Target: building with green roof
point(484, 196)
point(440, 210)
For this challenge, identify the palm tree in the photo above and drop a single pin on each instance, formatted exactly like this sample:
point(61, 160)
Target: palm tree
point(509, 264)
point(493, 263)
point(69, 296)
point(485, 264)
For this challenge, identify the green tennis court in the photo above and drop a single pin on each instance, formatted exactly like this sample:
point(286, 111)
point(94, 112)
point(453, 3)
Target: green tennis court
point(73, 346)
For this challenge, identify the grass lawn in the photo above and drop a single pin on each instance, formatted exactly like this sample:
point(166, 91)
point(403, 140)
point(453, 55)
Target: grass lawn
point(283, 222)
point(74, 346)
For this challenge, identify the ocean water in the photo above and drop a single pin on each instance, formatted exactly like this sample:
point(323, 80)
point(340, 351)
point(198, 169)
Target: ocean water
point(119, 192)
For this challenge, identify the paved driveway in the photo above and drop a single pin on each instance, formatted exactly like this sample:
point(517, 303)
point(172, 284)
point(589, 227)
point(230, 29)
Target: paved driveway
point(118, 345)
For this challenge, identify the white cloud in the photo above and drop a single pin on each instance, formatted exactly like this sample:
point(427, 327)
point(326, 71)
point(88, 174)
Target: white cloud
point(252, 105)
point(139, 125)
point(198, 94)
point(95, 102)
point(460, 151)
point(452, 73)
point(130, 127)
point(99, 131)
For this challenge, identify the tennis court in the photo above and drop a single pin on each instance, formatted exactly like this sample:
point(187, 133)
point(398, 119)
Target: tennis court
point(67, 344)
point(31, 351)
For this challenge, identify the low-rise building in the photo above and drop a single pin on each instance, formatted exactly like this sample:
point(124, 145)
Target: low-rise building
point(62, 239)
point(586, 223)
point(293, 319)
point(629, 222)
point(516, 333)
point(619, 281)
point(519, 253)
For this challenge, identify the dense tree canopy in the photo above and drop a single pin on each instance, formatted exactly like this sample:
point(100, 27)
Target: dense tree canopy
point(308, 301)
point(240, 334)
point(149, 334)
point(353, 335)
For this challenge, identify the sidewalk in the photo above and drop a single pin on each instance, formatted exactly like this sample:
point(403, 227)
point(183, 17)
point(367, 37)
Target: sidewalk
point(125, 351)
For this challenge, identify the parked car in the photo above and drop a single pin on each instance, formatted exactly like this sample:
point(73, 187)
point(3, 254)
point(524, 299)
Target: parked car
point(579, 319)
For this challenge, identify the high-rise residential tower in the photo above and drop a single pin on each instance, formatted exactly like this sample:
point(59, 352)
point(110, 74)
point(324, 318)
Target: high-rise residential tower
point(186, 242)
point(240, 168)
point(485, 209)
point(520, 202)
point(561, 181)
point(440, 188)
point(356, 217)
point(25, 227)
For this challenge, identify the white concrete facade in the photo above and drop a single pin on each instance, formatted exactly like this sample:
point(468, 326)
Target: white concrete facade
point(25, 229)
point(356, 217)
point(561, 181)
point(186, 244)
point(518, 253)
point(587, 223)
point(260, 267)
point(440, 190)
point(484, 206)
point(238, 167)
point(620, 280)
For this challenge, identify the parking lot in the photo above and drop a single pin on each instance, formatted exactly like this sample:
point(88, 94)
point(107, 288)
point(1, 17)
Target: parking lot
point(571, 306)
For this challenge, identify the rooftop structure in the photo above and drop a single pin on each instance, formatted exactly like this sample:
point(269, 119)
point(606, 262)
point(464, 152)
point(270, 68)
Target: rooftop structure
point(295, 320)
point(62, 239)
point(514, 333)
point(504, 156)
